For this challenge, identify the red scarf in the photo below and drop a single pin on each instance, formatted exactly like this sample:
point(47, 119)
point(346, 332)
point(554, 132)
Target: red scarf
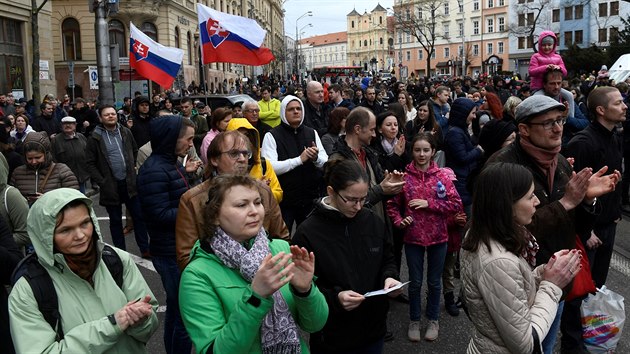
point(547, 160)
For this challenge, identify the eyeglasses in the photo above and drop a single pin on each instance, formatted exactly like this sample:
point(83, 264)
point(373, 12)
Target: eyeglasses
point(352, 201)
point(234, 154)
point(548, 125)
point(252, 110)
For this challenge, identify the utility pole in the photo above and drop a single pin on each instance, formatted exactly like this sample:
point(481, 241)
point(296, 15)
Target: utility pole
point(105, 84)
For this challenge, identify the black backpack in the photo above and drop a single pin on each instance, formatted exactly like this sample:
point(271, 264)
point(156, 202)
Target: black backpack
point(44, 289)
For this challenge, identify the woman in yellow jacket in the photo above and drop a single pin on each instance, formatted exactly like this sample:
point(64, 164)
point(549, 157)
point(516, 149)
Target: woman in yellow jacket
point(257, 169)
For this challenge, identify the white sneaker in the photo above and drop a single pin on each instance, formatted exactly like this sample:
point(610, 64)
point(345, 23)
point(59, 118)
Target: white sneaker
point(433, 328)
point(414, 331)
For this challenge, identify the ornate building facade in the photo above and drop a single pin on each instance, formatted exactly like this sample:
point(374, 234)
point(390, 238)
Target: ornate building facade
point(370, 39)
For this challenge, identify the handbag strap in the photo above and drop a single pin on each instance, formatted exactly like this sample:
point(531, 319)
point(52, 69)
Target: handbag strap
point(50, 170)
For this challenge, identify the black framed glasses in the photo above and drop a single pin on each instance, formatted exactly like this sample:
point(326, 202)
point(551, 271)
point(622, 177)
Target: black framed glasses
point(548, 125)
point(234, 154)
point(353, 201)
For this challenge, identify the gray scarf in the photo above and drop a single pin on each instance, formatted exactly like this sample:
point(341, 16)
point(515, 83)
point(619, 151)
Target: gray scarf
point(279, 333)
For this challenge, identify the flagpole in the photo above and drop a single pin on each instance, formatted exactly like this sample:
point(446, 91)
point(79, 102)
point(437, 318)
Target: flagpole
point(205, 83)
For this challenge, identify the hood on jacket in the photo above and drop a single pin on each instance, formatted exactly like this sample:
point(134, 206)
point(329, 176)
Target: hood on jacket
point(4, 172)
point(412, 170)
point(460, 110)
point(164, 132)
point(41, 139)
point(283, 108)
point(251, 133)
point(42, 218)
point(544, 34)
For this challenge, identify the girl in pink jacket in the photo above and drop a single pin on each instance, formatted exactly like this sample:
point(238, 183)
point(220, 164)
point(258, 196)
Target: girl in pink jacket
point(548, 59)
point(422, 209)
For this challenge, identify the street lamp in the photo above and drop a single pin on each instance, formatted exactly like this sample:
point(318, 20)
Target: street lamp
point(298, 39)
point(308, 13)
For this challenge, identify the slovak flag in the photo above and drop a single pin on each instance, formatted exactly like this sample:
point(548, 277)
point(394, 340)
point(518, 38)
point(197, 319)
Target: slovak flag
point(153, 60)
point(231, 39)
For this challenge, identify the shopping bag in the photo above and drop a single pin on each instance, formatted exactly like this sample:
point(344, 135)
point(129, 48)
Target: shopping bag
point(603, 317)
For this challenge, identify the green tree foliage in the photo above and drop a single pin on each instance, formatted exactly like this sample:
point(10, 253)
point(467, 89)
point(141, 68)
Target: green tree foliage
point(583, 60)
point(620, 43)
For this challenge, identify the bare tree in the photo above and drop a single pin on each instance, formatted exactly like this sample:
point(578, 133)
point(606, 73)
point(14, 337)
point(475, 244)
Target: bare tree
point(420, 19)
point(531, 15)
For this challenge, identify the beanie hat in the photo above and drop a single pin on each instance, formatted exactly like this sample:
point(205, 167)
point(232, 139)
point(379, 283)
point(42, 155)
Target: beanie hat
point(548, 40)
point(461, 107)
point(493, 135)
point(535, 106)
point(143, 99)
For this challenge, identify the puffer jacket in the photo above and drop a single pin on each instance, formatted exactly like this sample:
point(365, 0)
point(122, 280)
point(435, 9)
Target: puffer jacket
point(507, 300)
point(13, 208)
point(191, 222)
point(430, 224)
point(255, 163)
point(539, 61)
point(161, 182)
point(461, 156)
point(29, 179)
point(83, 308)
point(213, 302)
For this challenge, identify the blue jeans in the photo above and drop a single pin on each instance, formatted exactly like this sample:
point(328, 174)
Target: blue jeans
point(116, 225)
point(176, 338)
point(435, 264)
point(550, 340)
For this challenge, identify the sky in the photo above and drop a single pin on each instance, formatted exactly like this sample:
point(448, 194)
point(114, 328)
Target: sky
point(328, 15)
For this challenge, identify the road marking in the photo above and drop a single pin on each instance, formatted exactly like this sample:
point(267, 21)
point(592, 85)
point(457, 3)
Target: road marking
point(161, 308)
point(145, 263)
point(620, 263)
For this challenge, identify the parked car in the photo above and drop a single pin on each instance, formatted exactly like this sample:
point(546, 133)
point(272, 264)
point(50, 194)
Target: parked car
point(215, 101)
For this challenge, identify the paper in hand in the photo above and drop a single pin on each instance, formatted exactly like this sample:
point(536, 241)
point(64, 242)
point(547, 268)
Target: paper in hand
point(385, 291)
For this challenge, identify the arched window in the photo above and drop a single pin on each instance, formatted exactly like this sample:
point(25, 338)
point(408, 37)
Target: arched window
point(71, 39)
point(190, 48)
point(117, 36)
point(177, 39)
point(365, 43)
point(150, 30)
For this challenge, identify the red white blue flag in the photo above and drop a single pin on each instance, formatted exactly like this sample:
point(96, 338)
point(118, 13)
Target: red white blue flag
point(231, 39)
point(153, 60)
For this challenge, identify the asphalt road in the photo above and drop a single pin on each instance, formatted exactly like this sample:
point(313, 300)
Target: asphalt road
point(454, 331)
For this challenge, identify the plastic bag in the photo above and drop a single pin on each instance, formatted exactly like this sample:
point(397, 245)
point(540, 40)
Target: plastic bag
point(603, 317)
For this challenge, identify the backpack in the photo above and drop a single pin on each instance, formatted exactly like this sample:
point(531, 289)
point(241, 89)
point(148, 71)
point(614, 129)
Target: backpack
point(44, 289)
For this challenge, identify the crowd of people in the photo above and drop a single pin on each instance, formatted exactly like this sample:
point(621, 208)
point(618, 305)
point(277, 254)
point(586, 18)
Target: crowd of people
point(279, 215)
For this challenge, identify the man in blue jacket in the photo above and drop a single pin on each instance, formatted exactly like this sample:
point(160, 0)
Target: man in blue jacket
point(161, 182)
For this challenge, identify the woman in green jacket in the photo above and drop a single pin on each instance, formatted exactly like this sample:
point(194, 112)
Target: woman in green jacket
point(242, 292)
point(97, 316)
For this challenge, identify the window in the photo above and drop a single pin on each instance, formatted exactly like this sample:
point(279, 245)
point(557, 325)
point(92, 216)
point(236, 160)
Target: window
point(579, 12)
point(476, 5)
point(408, 38)
point(461, 29)
point(117, 36)
point(602, 35)
point(521, 42)
point(501, 24)
point(500, 48)
point(408, 14)
point(433, 54)
point(568, 38)
point(490, 3)
point(614, 33)
point(399, 37)
point(461, 6)
point(568, 13)
point(521, 20)
point(446, 8)
point(364, 43)
point(189, 44)
point(490, 25)
point(475, 27)
point(408, 54)
point(614, 8)
point(150, 30)
point(530, 42)
point(446, 31)
point(420, 54)
point(501, 2)
point(460, 50)
point(177, 39)
point(71, 39)
point(603, 10)
point(489, 49)
point(476, 50)
point(555, 15)
point(352, 24)
point(380, 20)
point(447, 52)
point(380, 41)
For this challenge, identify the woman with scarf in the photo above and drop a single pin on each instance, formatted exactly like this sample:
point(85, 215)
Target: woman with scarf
point(22, 128)
point(498, 260)
point(97, 315)
point(243, 292)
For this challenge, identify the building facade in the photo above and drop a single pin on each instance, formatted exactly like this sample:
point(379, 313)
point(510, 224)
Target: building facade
point(370, 40)
point(320, 51)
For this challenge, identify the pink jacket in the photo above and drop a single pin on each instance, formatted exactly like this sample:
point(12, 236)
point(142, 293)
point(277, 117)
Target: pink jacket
point(429, 224)
point(539, 61)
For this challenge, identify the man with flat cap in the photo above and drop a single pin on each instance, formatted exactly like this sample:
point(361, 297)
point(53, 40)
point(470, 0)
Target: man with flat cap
point(568, 200)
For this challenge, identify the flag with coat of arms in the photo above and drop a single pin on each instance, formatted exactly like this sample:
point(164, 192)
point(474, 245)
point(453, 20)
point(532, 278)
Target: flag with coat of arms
point(153, 60)
point(231, 39)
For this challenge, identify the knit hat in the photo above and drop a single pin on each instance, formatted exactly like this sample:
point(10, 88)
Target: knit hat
point(143, 99)
point(535, 106)
point(461, 107)
point(493, 135)
point(548, 40)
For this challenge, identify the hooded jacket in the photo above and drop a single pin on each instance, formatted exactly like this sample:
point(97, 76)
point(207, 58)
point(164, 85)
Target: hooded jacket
point(430, 224)
point(84, 308)
point(14, 208)
point(10, 256)
point(161, 182)
point(283, 146)
point(29, 179)
point(255, 163)
point(270, 112)
point(539, 61)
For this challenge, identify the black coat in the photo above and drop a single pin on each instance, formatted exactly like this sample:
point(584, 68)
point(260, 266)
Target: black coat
point(10, 256)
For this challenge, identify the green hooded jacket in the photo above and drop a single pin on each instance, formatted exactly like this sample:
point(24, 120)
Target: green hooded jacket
point(84, 308)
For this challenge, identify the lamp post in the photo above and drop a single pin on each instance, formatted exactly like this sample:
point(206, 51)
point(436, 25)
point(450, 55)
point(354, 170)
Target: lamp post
point(308, 13)
point(298, 39)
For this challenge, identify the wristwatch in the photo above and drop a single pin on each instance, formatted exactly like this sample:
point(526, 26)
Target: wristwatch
point(112, 319)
